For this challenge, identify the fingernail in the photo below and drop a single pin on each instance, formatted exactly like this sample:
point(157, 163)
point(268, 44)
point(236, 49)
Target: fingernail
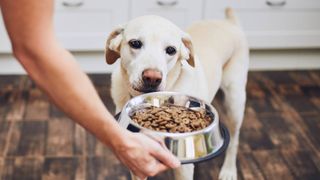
point(176, 163)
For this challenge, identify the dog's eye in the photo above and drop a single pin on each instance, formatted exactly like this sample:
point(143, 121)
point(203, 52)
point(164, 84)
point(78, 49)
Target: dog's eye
point(171, 50)
point(135, 44)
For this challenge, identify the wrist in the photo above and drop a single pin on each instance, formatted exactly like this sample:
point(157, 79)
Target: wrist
point(115, 136)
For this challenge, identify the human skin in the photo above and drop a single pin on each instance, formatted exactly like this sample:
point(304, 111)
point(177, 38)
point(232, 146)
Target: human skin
point(30, 27)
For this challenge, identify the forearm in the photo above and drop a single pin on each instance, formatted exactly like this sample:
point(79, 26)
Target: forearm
point(30, 28)
point(58, 74)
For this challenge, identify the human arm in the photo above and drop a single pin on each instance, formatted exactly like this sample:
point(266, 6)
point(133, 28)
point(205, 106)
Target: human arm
point(30, 27)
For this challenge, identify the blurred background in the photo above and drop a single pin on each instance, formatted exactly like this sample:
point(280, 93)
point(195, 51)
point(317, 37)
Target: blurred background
point(280, 134)
point(283, 34)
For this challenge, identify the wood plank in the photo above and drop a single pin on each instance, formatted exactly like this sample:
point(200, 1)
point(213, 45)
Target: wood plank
point(279, 77)
point(249, 167)
point(289, 90)
point(302, 78)
point(257, 139)
point(16, 107)
point(28, 138)
point(254, 90)
point(17, 102)
point(262, 105)
point(280, 132)
point(27, 168)
point(14, 138)
point(102, 168)
point(80, 172)
point(80, 146)
point(8, 169)
point(301, 164)
point(251, 121)
point(94, 147)
point(272, 165)
point(55, 112)
point(105, 96)
point(37, 106)
point(301, 132)
point(315, 75)
point(209, 170)
point(302, 105)
point(274, 123)
point(311, 91)
point(60, 137)
point(10, 81)
point(59, 168)
point(313, 128)
point(91, 142)
point(1, 166)
point(4, 96)
point(4, 133)
point(316, 102)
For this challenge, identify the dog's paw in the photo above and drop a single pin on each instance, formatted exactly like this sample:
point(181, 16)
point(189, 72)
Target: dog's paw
point(228, 173)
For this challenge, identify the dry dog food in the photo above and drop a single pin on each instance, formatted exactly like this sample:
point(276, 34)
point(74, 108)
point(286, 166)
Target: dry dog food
point(171, 118)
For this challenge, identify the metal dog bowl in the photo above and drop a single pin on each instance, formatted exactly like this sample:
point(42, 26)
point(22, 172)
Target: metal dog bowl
point(190, 147)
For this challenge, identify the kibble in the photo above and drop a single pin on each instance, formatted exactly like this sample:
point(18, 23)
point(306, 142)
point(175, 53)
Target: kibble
point(174, 119)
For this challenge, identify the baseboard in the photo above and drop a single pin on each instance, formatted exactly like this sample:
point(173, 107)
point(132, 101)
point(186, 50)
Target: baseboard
point(90, 62)
point(299, 59)
point(93, 62)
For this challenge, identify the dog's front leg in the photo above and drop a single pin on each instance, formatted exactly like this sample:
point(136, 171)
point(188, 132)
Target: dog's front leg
point(235, 98)
point(185, 172)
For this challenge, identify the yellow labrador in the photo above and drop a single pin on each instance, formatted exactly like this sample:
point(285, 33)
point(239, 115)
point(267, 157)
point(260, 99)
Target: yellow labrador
point(155, 55)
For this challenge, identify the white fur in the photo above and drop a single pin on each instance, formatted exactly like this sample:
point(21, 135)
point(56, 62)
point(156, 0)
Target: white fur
point(221, 61)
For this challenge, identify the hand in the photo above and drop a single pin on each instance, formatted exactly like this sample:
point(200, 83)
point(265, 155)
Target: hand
point(144, 156)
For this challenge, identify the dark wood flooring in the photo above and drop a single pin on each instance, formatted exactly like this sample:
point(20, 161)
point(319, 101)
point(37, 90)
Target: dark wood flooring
point(280, 137)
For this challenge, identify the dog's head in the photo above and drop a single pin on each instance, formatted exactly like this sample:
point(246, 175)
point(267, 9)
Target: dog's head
point(149, 47)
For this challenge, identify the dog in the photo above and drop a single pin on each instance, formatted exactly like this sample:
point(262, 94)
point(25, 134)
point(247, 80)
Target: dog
point(156, 55)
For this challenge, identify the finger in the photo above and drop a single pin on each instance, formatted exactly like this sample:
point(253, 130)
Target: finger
point(161, 152)
point(165, 157)
point(161, 168)
point(154, 168)
point(156, 138)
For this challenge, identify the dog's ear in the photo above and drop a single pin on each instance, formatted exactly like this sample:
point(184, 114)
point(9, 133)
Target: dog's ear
point(112, 52)
point(187, 51)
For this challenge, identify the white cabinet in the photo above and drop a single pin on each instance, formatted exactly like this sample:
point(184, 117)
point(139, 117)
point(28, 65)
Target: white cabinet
point(84, 25)
point(273, 24)
point(5, 45)
point(81, 25)
point(181, 12)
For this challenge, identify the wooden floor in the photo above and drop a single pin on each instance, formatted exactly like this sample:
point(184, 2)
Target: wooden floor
point(280, 137)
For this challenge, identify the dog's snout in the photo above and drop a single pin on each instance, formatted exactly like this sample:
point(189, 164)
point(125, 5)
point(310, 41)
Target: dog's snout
point(151, 78)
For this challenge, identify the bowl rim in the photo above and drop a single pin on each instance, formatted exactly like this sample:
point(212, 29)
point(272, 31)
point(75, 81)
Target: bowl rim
point(215, 121)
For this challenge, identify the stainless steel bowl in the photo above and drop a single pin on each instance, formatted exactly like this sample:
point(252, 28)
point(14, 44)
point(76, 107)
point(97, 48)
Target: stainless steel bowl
point(189, 147)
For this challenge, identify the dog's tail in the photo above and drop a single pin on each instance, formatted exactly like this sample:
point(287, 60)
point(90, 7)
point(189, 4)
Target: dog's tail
point(230, 16)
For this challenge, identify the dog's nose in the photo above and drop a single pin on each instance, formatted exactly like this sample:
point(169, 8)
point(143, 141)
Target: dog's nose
point(151, 78)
